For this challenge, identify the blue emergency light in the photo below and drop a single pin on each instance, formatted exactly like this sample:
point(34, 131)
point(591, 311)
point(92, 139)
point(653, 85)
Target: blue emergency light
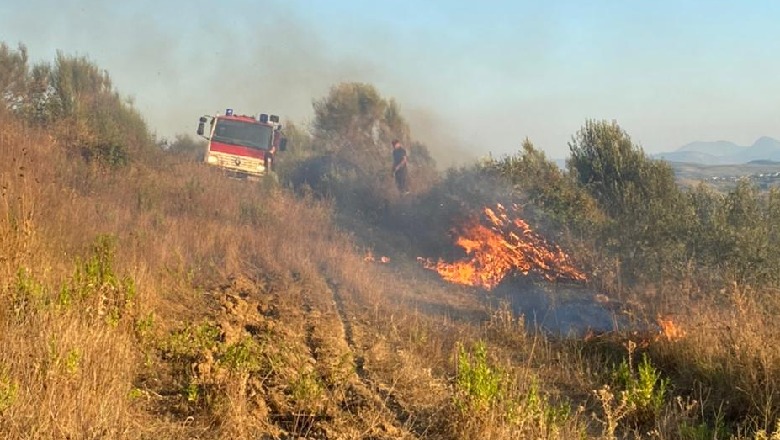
point(263, 118)
point(229, 112)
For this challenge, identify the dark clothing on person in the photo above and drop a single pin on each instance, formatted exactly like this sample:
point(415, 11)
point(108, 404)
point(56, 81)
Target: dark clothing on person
point(399, 169)
point(398, 156)
point(401, 181)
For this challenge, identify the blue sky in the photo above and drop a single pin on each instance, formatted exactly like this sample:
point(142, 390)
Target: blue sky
point(472, 78)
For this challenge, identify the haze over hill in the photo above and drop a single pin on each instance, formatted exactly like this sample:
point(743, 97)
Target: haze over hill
point(725, 152)
point(472, 80)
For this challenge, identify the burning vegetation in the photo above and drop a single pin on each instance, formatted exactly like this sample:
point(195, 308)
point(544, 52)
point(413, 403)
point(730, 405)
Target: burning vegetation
point(669, 329)
point(499, 243)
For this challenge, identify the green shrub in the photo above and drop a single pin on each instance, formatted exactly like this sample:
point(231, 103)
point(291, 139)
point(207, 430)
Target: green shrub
point(192, 392)
point(534, 411)
point(144, 326)
point(27, 293)
point(244, 356)
point(192, 341)
point(182, 350)
point(96, 284)
point(8, 389)
point(645, 390)
point(306, 389)
point(109, 153)
point(486, 394)
point(479, 385)
point(703, 431)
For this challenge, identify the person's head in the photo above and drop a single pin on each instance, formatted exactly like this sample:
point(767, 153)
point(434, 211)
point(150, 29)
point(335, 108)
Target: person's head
point(396, 143)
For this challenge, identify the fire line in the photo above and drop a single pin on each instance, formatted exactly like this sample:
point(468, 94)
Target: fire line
point(500, 246)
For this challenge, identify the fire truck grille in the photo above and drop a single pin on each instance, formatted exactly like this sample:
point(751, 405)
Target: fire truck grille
point(242, 164)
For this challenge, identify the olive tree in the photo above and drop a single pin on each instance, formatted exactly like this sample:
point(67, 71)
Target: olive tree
point(649, 218)
point(357, 124)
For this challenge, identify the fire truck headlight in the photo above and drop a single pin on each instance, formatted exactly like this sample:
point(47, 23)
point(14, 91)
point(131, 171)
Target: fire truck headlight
point(212, 159)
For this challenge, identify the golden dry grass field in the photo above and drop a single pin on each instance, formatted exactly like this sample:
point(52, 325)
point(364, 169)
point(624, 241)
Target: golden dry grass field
point(161, 299)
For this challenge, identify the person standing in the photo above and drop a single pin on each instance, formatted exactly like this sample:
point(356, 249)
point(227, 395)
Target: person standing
point(400, 167)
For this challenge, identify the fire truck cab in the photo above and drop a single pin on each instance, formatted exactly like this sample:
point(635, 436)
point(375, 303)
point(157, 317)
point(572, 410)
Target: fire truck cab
point(243, 145)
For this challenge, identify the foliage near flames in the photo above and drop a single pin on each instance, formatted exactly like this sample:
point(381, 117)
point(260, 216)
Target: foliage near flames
point(499, 243)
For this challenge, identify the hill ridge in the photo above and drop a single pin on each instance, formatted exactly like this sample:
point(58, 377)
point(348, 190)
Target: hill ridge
point(722, 152)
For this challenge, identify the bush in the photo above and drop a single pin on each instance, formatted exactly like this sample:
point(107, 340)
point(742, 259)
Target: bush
point(645, 389)
point(96, 285)
point(77, 99)
point(479, 385)
point(8, 389)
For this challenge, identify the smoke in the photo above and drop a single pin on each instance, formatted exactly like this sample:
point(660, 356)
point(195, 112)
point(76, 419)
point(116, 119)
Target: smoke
point(443, 143)
point(254, 57)
point(257, 63)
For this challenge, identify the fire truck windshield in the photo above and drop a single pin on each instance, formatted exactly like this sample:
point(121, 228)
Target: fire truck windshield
point(243, 133)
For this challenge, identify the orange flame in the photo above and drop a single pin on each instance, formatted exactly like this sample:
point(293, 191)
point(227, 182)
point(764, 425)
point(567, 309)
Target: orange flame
point(503, 246)
point(371, 259)
point(669, 330)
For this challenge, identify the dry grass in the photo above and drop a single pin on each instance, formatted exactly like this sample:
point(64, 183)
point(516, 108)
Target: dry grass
point(253, 316)
point(71, 379)
point(728, 347)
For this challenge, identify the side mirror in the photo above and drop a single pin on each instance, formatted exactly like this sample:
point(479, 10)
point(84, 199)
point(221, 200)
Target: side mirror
point(283, 144)
point(201, 125)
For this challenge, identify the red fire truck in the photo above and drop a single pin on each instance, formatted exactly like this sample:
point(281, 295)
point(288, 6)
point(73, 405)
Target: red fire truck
point(243, 145)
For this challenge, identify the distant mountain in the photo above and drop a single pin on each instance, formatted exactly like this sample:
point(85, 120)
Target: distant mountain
point(765, 148)
point(717, 148)
point(724, 152)
point(691, 157)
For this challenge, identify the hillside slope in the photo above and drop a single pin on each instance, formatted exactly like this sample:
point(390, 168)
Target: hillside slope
point(146, 295)
point(172, 300)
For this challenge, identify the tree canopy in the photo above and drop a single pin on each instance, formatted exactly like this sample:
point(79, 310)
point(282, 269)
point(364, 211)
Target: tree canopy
point(75, 98)
point(356, 123)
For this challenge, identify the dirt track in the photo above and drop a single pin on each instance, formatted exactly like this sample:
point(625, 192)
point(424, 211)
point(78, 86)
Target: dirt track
point(323, 388)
